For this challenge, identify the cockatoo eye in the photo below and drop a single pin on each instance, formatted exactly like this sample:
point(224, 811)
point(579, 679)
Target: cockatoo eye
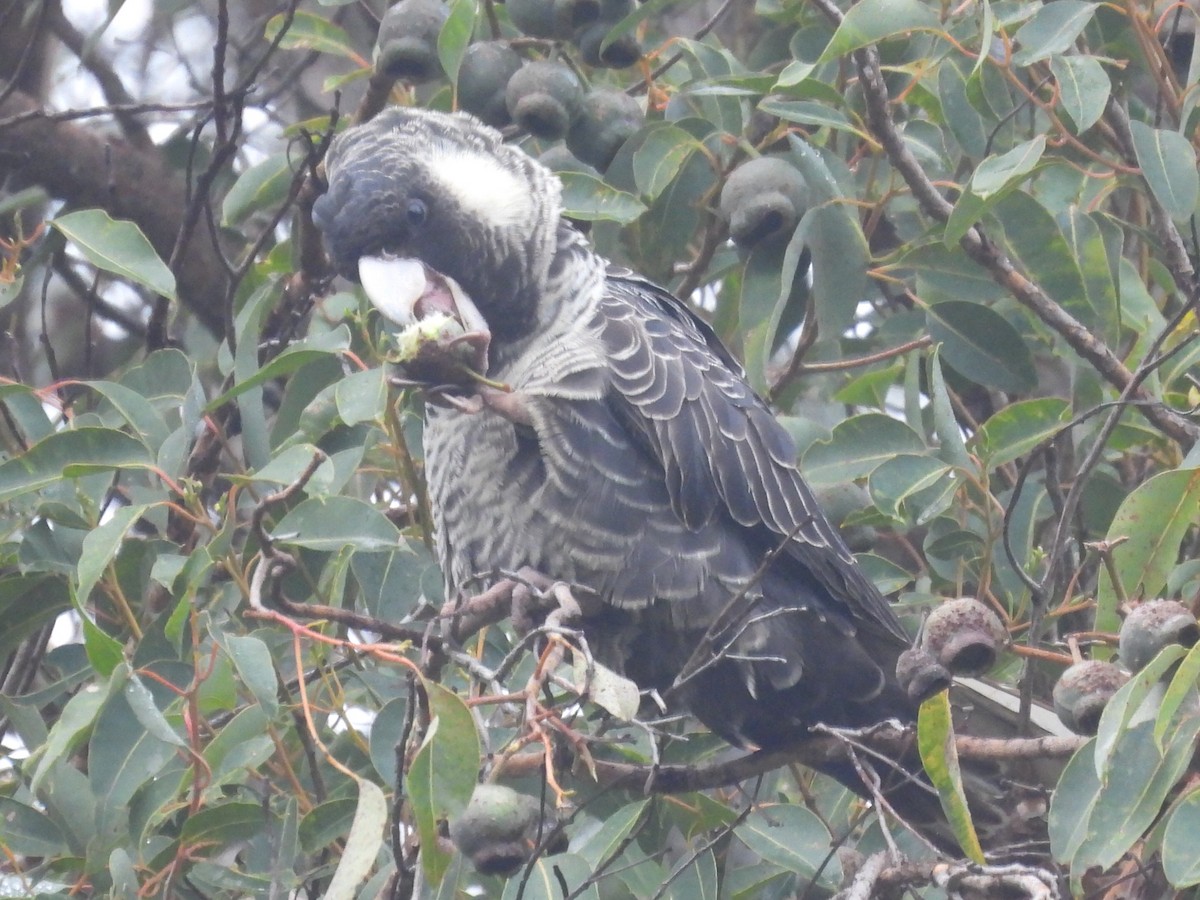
point(416, 212)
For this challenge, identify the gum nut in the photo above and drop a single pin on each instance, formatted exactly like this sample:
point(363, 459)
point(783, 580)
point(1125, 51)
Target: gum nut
point(1083, 691)
point(1152, 626)
point(965, 636)
point(544, 98)
point(763, 197)
point(920, 675)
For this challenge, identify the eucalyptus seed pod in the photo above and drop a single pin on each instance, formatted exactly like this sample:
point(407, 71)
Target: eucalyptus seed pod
point(621, 53)
point(763, 198)
point(406, 46)
point(1152, 626)
point(544, 98)
point(534, 17)
point(1083, 691)
point(606, 120)
point(552, 18)
point(965, 636)
point(482, 78)
point(494, 830)
point(920, 675)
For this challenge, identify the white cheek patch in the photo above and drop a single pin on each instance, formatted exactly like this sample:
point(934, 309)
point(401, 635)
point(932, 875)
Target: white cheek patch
point(483, 187)
point(393, 285)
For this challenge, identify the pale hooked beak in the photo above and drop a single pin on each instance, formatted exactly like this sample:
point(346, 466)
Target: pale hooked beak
point(407, 290)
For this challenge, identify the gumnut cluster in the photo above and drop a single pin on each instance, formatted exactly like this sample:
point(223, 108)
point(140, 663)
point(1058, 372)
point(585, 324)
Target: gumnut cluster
point(543, 98)
point(1085, 688)
point(960, 637)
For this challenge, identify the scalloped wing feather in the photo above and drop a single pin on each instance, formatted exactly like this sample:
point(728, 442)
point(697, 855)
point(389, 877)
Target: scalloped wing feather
point(719, 444)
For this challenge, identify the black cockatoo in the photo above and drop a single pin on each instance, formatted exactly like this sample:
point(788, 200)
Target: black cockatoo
point(631, 457)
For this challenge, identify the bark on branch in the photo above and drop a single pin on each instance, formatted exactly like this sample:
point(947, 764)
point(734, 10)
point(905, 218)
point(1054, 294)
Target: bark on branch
point(90, 168)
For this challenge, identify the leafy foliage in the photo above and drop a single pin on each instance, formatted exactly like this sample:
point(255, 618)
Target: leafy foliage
point(985, 320)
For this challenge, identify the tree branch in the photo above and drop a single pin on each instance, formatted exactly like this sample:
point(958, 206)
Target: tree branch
point(90, 169)
point(987, 254)
point(816, 752)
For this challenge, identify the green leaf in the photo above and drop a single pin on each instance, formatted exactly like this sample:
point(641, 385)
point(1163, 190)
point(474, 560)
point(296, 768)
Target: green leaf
point(969, 208)
point(614, 829)
point(962, 119)
point(980, 345)
point(362, 396)
point(768, 285)
point(252, 659)
point(935, 740)
point(1168, 162)
point(1020, 427)
point(698, 881)
point(146, 711)
point(243, 742)
point(1154, 519)
point(1090, 252)
point(808, 112)
point(945, 273)
point(1038, 242)
point(122, 756)
point(870, 21)
point(386, 731)
point(226, 823)
point(1180, 861)
point(952, 447)
point(901, 482)
point(29, 832)
point(1182, 688)
point(660, 157)
point(318, 347)
point(260, 187)
point(885, 574)
point(790, 836)
point(1052, 31)
point(104, 652)
point(133, 408)
point(857, 446)
point(70, 454)
point(1083, 87)
point(547, 877)
point(442, 776)
point(101, 545)
point(330, 523)
point(588, 199)
point(997, 172)
point(309, 31)
point(326, 823)
point(362, 844)
point(10, 288)
point(987, 31)
point(455, 36)
point(839, 265)
point(1128, 803)
point(831, 230)
point(1126, 703)
point(117, 246)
